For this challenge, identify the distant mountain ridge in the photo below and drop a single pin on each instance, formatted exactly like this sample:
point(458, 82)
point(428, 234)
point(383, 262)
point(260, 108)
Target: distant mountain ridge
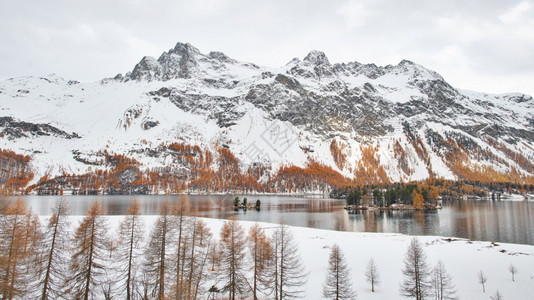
point(368, 123)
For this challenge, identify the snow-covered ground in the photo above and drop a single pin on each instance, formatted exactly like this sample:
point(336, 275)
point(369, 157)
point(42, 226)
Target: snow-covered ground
point(463, 260)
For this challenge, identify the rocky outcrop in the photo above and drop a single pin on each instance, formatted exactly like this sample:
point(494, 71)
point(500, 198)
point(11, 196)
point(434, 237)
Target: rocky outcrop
point(17, 129)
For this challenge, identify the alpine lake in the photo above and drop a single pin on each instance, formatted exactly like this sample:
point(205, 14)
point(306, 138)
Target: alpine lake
point(483, 220)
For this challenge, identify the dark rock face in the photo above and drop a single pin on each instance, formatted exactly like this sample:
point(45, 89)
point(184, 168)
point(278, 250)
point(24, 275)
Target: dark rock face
point(127, 185)
point(316, 95)
point(225, 111)
point(181, 62)
point(128, 176)
point(331, 105)
point(146, 125)
point(148, 68)
point(19, 129)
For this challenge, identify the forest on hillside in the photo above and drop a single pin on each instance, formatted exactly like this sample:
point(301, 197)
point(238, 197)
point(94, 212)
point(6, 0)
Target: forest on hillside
point(198, 170)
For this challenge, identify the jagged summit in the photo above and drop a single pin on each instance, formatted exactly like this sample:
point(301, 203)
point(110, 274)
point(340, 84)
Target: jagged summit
point(406, 62)
point(293, 61)
point(186, 61)
point(221, 57)
point(178, 62)
point(185, 49)
point(316, 57)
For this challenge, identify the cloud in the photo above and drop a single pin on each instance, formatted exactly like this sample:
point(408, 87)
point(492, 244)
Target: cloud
point(487, 40)
point(516, 13)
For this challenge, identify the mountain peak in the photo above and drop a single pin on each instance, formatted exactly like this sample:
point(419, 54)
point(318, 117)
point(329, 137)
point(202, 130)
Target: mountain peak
point(183, 48)
point(294, 61)
point(418, 70)
point(316, 57)
point(221, 57)
point(406, 62)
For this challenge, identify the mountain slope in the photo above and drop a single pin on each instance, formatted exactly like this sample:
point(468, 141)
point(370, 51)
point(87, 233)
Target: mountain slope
point(369, 123)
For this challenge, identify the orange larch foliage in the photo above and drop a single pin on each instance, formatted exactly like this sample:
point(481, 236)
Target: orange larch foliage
point(402, 158)
point(15, 173)
point(517, 157)
point(315, 176)
point(418, 200)
point(369, 170)
point(420, 149)
point(338, 153)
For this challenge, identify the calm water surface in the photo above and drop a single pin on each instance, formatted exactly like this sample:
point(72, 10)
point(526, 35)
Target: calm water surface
point(511, 222)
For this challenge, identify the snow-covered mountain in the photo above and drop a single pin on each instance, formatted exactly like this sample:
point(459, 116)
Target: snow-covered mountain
point(362, 120)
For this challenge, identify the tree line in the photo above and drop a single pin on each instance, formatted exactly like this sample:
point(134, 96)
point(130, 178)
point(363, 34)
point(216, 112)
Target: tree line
point(425, 194)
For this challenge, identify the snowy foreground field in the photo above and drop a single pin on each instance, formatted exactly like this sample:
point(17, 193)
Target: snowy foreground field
point(463, 260)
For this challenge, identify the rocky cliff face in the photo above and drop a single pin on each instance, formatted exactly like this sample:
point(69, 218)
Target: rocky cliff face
point(416, 124)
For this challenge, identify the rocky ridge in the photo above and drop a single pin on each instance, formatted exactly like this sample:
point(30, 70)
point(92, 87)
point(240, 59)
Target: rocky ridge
point(417, 124)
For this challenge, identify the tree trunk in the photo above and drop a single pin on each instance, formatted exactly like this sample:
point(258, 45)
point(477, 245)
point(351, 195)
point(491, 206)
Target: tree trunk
point(90, 265)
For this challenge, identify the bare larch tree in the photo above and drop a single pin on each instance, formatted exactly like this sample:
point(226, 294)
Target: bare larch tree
point(372, 275)
point(197, 258)
point(416, 282)
point(261, 260)
point(497, 296)
point(129, 253)
point(442, 282)
point(90, 257)
point(20, 236)
point(55, 244)
point(482, 280)
point(338, 283)
point(233, 258)
point(157, 253)
point(289, 274)
point(181, 212)
point(513, 271)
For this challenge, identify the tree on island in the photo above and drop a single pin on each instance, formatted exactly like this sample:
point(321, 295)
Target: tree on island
point(236, 202)
point(418, 200)
point(338, 279)
point(378, 197)
point(354, 197)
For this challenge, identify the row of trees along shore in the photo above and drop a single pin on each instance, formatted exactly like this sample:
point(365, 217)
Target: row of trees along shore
point(177, 259)
point(422, 195)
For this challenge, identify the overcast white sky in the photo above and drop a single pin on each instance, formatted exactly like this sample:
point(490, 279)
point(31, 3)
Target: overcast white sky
point(482, 45)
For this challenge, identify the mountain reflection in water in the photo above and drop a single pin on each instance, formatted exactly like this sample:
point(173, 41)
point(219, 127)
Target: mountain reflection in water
point(497, 221)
